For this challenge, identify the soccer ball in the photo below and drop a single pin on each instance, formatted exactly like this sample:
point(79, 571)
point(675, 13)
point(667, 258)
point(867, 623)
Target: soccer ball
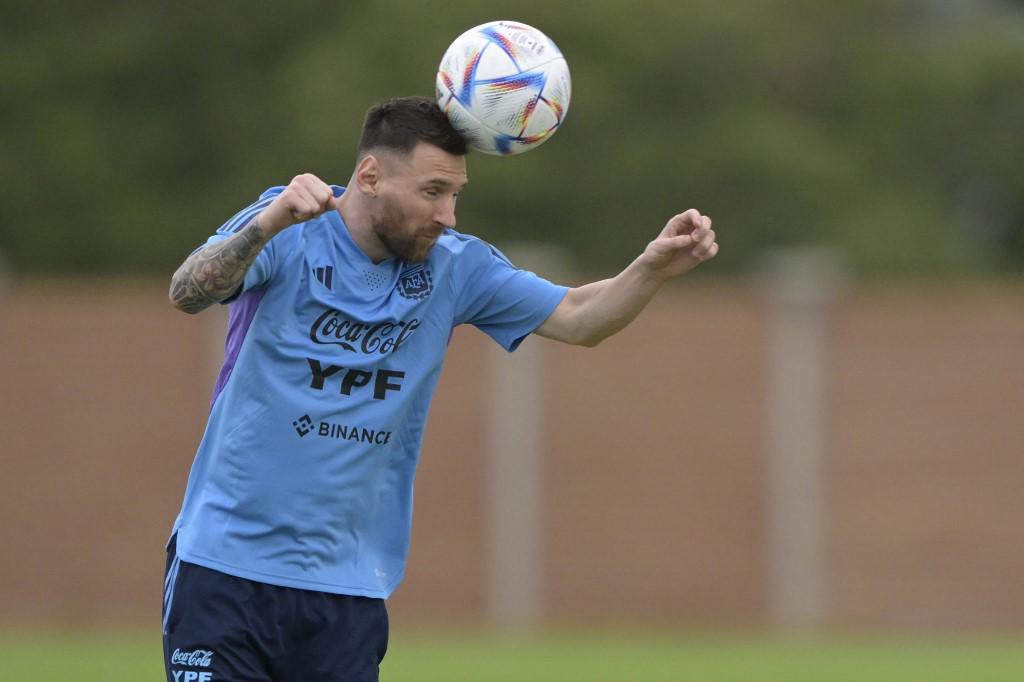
point(505, 86)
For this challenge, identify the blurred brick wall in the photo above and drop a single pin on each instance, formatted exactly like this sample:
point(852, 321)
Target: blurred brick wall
point(655, 502)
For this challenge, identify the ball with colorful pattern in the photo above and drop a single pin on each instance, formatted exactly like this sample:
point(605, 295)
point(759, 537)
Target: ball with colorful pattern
point(505, 86)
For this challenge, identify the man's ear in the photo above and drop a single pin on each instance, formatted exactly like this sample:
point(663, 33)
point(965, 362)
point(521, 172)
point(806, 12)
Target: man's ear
point(368, 175)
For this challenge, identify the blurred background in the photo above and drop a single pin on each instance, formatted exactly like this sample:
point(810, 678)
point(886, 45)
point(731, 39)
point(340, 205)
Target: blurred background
point(817, 435)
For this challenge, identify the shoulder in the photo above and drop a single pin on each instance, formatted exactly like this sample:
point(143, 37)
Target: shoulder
point(245, 216)
point(463, 247)
point(272, 192)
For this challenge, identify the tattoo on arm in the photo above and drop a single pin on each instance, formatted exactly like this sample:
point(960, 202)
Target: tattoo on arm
point(215, 272)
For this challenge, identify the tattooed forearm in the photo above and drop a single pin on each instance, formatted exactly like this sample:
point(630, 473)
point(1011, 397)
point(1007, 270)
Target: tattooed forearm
point(215, 272)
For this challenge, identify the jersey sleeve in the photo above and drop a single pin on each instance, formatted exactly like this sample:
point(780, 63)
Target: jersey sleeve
point(501, 300)
point(262, 269)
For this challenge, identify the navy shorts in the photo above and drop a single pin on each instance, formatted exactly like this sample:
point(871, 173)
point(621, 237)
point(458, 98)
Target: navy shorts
point(220, 628)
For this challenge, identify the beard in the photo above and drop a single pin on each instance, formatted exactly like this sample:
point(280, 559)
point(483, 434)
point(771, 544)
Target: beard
point(410, 247)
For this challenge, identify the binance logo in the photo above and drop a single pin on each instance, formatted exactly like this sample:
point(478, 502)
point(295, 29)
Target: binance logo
point(303, 425)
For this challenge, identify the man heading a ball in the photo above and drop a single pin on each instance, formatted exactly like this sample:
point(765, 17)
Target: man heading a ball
point(296, 518)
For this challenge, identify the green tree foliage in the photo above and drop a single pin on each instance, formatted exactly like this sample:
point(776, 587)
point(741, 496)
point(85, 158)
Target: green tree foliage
point(889, 128)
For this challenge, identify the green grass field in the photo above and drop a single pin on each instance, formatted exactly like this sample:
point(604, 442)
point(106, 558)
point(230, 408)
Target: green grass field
point(566, 658)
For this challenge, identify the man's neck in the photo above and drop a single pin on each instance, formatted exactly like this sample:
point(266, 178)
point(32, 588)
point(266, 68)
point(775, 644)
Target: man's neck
point(357, 219)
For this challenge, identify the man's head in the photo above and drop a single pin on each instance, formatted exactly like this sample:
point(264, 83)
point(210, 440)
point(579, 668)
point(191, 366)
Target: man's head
point(410, 170)
point(400, 124)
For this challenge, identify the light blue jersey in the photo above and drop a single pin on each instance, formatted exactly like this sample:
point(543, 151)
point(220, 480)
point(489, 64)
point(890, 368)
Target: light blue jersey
point(304, 476)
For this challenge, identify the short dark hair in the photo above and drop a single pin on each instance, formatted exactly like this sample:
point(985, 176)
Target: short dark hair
point(403, 122)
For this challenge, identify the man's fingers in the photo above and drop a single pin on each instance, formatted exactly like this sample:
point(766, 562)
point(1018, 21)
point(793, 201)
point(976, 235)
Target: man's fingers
point(691, 216)
point(708, 253)
point(707, 248)
point(323, 195)
point(682, 241)
point(701, 243)
point(704, 241)
point(702, 234)
point(335, 198)
point(686, 241)
point(684, 223)
point(303, 203)
point(311, 195)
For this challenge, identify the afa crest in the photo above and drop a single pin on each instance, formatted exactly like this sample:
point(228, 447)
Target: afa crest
point(415, 283)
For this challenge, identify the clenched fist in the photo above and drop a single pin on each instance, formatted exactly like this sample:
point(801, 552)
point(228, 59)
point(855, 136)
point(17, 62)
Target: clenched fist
point(305, 198)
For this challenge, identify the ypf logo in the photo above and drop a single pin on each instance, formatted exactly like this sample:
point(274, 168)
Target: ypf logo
point(303, 425)
point(415, 283)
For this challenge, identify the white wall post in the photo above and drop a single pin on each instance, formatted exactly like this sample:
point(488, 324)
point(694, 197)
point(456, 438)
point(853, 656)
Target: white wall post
point(801, 284)
point(515, 479)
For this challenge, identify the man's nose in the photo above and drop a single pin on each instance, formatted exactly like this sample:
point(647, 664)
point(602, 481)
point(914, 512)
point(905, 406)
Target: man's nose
point(446, 212)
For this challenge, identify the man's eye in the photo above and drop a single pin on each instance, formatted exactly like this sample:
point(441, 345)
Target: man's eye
point(432, 193)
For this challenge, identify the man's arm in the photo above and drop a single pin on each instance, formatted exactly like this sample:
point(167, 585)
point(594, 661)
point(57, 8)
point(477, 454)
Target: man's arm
point(593, 312)
point(215, 272)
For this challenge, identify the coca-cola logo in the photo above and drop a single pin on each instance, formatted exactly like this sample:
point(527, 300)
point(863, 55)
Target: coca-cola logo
point(366, 337)
point(196, 659)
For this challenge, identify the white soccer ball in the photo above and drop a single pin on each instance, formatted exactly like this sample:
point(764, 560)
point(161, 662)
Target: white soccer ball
point(505, 86)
